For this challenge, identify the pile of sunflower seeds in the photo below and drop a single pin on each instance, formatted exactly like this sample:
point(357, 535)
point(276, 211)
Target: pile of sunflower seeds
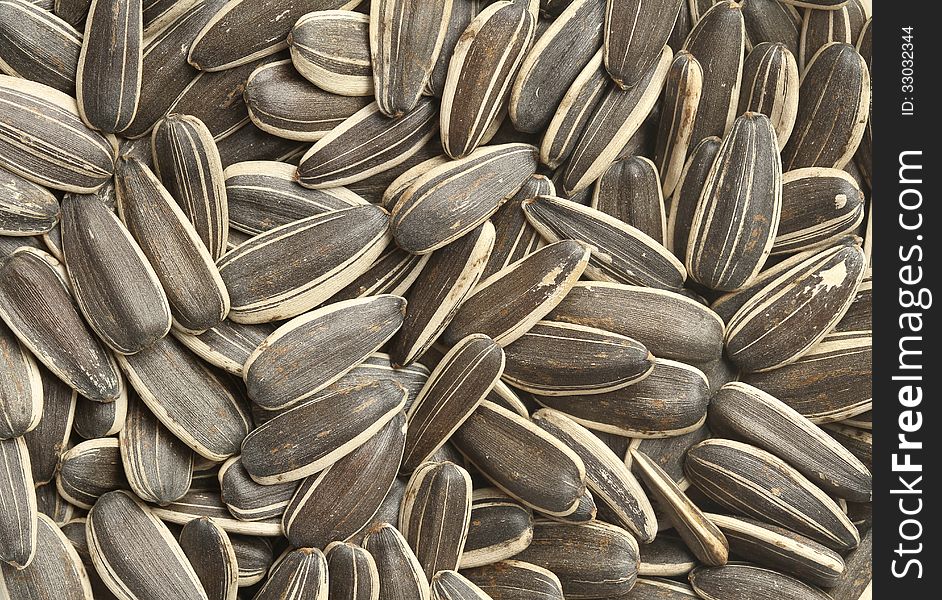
point(435, 299)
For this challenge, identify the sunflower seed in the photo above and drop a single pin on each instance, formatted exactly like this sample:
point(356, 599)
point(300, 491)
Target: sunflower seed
point(254, 557)
point(353, 574)
point(226, 345)
point(460, 16)
point(207, 503)
point(90, 469)
point(821, 27)
point(770, 21)
point(819, 206)
point(739, 582)
point(666, 556)
point(620, 252)
point(864, 155)
point(38, 45)
point(21, 389)
point(212, 556)
point(300, 573)
point(586, 511)
point(448, 201)
point(37, 306)
point(499, 529)
point(41, 126)
point(479, 79)
point(634, 31)
point(515, 237)
point(683, 86)
point(630, 190)
point(10, 244)
point(393, 272)
point(755, 483)
point(271, 278)
point(388, 511)
point(860, 315)
point(251, 143)
point(435, 515)
point(18, 508)
point(503, 395)
point(553, 63)
point(685, 202)
point(49, 438)
point(515, 580)
point(336, 337)
point(248, 500)
point(26, 208)
point(834, 99)
point(56, 571)
point(74, 531)
point(451, 585)
point(190, 400)
point(593, 560)
point(331, 49)
point(336, 503)
point(770, 87)
point(780, 549)
point(858, 441)
point(400, 574)
point(857, 580)
point(51, 503)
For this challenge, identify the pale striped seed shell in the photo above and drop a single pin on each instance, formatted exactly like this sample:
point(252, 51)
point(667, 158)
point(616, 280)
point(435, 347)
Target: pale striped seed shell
point(819, 206)
point(209, 551)
point(18, 508)
point(454, 389)
point(110, 67)
point(393, 272)
point(450, 200)
point(780, 549)
point(554, 62)
point(683, 87)
point(516, 580)
point(318, 432)
point(207, 503)
point(451, 585)
point(821, 27)
point(460, 16)
point(331, 49)
point(135, 554)
point(445, 282)
point(251, 143)
point(296, 575)
point(521, 459)
point(703, 538)
point(738, 212)
point(574, 112)
point(56, 571)
point(38, 307)
point(227, 345)
point(49, 438)
point(21, 388)
point(157, 465)
point(254, 557)
point(499, 529)
point(620, 253)
point(515, 237)
point(25, 208)
point(586, 511)
point(398, 186)
point(240, 32)
point(366, 143)
point(592, 560)
point(271, 277)
point(669, 452)
point(670, 401)
point(815, 293)
point(858, 441)
point(666, 556)
point(506, 304)
point(283, 103)
point(189, 399)
point(661, 589)
point(718, 42)
point(744, 582)
point(340, 500)
point(101, 419)
point(630, 191)
point(755, 483)
point(771, 21)
point(353, 574)
point(41, 126)
point(90, 469)
point(435, 515)
point(157, 13)
point(379, 366)
point(859, 317)
point(336, 337)
point(38, 45)
point(770, 86)
point(400, 574)
point(187, 162)
point(686, 198)
point(834, 99)
point(634, 31)
point(479, 79)
point(616, 118)
point(248, 500)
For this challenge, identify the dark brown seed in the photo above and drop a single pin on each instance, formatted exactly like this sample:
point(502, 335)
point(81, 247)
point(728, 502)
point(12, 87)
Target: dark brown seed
point(515, 237)
point(669, 452)
point(18, 509)
point(864, 156)
point(634, 32)
point(248, 500)
point(90, 469)
point(21, 388)
point(299, 574)
point(207, 503)
point(331, 49)
point(630, 190)
point(227, 345)
point(499, 529)
point(352, 570)
point(101, 419)
point(49, 438)
point(516, 580)
point(819, 206)
point(857, 580)
point(251, 143)
point(666, 556)
point(683, 206)
point(742, 582)
point(770, 87)
point(26, 208)
point(822, 27)
point(388, 511)
point(51, 503)
point(859, 317)
point(683, 87)
point(38, 45)
point(460, 15)
point(254, 556)
point(400, 574)
point(772, 21)
point(394, 272)
point(56, 570)
point(451, 585)
point(208, 549)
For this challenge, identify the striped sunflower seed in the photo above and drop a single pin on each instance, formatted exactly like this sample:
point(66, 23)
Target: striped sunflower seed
point(864, 155)
point(51, 503)
point(300, 573)
point(857, 580)
point(620, 253)
point(479, 79)
point(254, 556)
point(435, 515)
point(250, 501)
point(522, 459)
point(393, 272)
point(586, 511)
point(90, 469)
point(183, 264)
point(101, 419)
point(451, 585)
point(318, 432)
point(10, 244)
point(49, 438)
point(454, 389)
point(36, 304)
point(388, 511)
point(189, 399)
point(400, 574)
point(227, 345)
point(755, 483)
point(770, 86)
point(405, 42)
point(669, 452)
point(135, 553)
point(26, 208)
point(208, 549)
point(207, 503)
point(515, 237)
point(460, 16)
point(74, 531)
point(685, 202)
point(860, 315)
point(819, 206)
point(290, 283)
point(499, 529)
point(251, 143)
point(593, 560)
point(742, 193)
point(18, 509)
point(739, 582)
point(38, 45)
point(353, 574)
point(771, 21)
point(110, 66)
point(331, 49)
point(834, 99)
point(41, 126)
point(340, 500)
point(21, 389)
point(515, 580)
point(666, 556)
point(336, 337)
point(630, 191)
point(379, 366)
point(822, 27)
point(450, 200)
point(634, 31)
point(158, 466)
point(780, 549)
point(557, 57)
point(661, 589)
point(683, 87)
point(187, 162)
point(56, 570)
point(858, 441)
